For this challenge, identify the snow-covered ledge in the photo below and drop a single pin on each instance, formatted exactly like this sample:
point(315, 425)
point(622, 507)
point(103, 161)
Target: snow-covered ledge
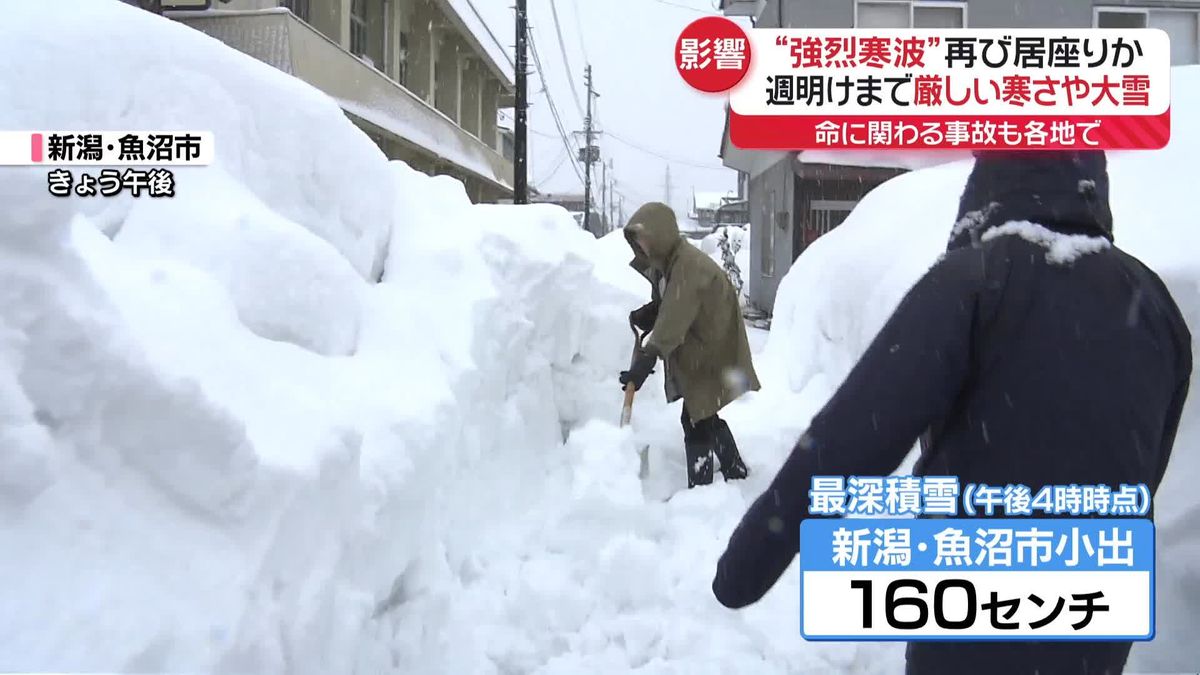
point(279, 39)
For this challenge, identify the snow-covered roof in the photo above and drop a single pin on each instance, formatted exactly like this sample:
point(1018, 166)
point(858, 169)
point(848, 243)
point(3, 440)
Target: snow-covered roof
point(710, 201)
point(459, 149)
point(486, 43)
point(885, 159)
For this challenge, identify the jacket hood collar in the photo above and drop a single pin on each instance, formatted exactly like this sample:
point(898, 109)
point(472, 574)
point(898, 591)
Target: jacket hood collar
point(1063, 191)
point(655, 222)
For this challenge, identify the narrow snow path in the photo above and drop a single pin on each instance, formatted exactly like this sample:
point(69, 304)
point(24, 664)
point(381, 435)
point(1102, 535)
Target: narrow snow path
point(601, 575)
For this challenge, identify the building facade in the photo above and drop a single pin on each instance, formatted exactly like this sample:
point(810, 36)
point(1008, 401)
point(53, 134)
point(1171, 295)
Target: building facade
point(792, 202)
point(706, 204)
point(423, 78)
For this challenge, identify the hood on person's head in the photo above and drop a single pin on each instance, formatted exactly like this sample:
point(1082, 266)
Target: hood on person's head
point(1063, 191)
point(655, 223)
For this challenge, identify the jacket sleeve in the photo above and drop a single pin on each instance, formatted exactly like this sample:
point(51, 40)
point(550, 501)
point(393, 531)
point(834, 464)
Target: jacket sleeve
point(678, 307)
point(1171, 426)
point(908, 377)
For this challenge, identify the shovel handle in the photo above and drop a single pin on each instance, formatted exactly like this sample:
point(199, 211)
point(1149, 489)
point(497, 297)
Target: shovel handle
point(627, 407)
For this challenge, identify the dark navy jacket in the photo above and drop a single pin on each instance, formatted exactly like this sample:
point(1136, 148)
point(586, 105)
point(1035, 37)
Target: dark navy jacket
point(1015, 368)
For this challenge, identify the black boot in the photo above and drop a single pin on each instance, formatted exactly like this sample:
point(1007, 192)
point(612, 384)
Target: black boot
point(732, 466)
point(699, 463)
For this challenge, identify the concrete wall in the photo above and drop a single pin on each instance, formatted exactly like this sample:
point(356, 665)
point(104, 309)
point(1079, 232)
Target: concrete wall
point(980, 13)
point(489, 105)
point(422, 51)
point(376, 32)
point(1029, 14)
point(447, 74)
point(815, 13)
point(332, 17)
point(240, 4)
point(467, 91)
point(472, 99)
point(401, 21)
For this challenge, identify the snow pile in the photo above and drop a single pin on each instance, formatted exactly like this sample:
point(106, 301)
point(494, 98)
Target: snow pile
point(303, 493)
point(219, 368)
point(321, 414)
point(863, 268)
point(260, 143)
point(739, 244)
point(226, 450)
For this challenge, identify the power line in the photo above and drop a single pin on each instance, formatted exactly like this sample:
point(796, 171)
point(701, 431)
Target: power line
point(624, 190)
point(579, 28)
point(562, 157)
point(668, 158)
point(562, 45)
point(562, 133)
point(539, 132)
point(490, 33)
point(682, 6)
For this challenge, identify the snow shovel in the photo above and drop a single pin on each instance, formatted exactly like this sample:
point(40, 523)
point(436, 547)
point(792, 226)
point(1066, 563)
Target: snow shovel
point(627, 408)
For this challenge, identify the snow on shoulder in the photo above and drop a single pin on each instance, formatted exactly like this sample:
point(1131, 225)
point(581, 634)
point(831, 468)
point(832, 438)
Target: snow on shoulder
point(1062, 248)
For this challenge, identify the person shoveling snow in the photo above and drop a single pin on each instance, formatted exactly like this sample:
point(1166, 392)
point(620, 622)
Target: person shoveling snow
point(695, 325)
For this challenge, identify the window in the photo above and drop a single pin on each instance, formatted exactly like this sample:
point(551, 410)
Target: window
point(768, 235)
point(939, 16)
point(402, 58)
point(1182, 25)
point(507, 146)
point(1184, 30)
point(301, 8)
point(828, 214)
point(905, 14)
point(358, 27)
point(1121, 19)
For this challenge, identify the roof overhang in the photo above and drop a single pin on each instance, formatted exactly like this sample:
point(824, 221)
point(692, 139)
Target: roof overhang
point(471, 26)
point(750, 8)
point(752, 162)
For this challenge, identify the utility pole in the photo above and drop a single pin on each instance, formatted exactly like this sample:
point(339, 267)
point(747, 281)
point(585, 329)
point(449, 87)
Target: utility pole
point(587, 152)
point(612, 190)
point(604, 195)
point(667, 191)
point(520, 132)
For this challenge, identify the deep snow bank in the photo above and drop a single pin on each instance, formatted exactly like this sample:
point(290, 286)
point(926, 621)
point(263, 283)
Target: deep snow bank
point(864, 267)
point(222, 448)
point(276, 164)
point(109, 66)
point(225, 450)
